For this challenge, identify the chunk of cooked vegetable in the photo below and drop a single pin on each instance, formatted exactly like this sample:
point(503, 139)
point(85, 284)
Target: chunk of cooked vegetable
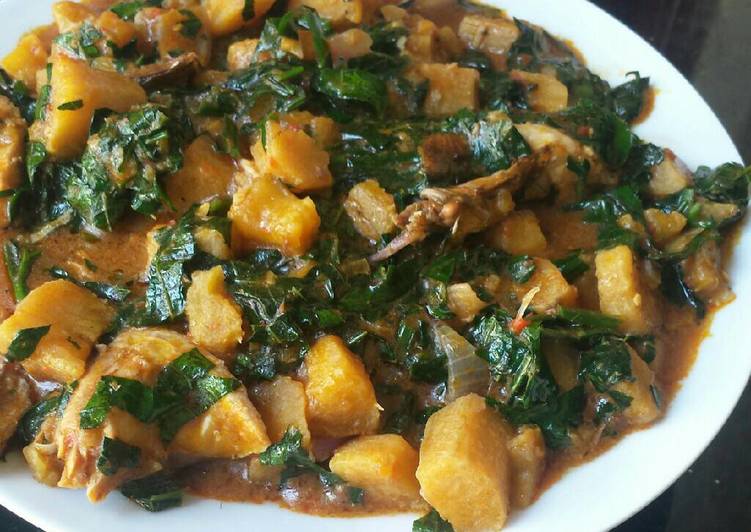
point(668, 177)
point(464, 469)
point(451, 88)
point(240, 54)
point(341, 398)
point(282, 404)
point(371, 209)
point(349, 44)
point(493, 35)
point(621, 290)
point(226, 16)
point(527, 458)
point(76, 318)
point(293, 156)
point(26, 59)
point(463, 301)
point(64, 131)
point(69, 15)
point(205, 174)
point(265, 214)
point(545, 93)
point(214, 319)
point(703, 270)
point(643, 407)
point(554, 289)
point(664, 225)
point(519, 234)
point(384, 465)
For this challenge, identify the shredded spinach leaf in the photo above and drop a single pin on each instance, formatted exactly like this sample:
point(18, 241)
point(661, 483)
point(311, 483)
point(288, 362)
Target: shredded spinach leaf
point(154, 493)
point(432, 522)
point(25, 342)
point(18, 262)
point(116, 454)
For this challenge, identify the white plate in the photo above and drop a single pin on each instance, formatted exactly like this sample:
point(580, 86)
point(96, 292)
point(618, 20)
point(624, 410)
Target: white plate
point(593, 497)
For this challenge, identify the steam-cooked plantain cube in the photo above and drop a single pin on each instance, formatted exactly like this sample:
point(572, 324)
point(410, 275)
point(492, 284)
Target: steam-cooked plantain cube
point(27, 58)
point(341, 398)
point(215, 321)
point(371, 209)
point(519, 234)
point(240, 54)
point(554, 289)
point(463, 302)
point(294, 157)
point(545, 93)
point(663, 225)
point(205, 174)
point(77, 318)
point(621, 291)
point(227, 16)
point(70, 15)
point(117, 30)
point(65, 131)
point(451, 88)
point(265, 214)
point(383, 465)
point(643, 409)
point(282, 404)
point(527, 455)
point(464, 469)
point(15, 398)
point(231, 427)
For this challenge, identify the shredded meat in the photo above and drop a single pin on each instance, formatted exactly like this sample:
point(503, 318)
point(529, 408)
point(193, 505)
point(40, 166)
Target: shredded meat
point(464, 209)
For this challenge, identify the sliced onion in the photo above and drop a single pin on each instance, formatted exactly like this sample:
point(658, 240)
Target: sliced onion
point(468, 373)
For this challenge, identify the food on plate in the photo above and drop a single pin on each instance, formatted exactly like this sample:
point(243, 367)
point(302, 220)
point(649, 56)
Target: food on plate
point(354, 257)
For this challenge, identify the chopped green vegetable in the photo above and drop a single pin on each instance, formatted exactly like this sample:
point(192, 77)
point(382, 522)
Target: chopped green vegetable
point(116, 454)
point(432, 522)
point(154, 493)
point(18, 262)
point(521, 268)
point(129, 395)
point(114, 293)
point(25, 342)
point(185, 389)
point(289, 453)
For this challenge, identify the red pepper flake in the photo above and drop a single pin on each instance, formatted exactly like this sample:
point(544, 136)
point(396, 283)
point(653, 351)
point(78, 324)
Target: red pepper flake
point(518, 325)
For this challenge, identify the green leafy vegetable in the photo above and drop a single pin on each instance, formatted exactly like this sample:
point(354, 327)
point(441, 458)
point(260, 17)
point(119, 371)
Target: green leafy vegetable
point(514, 360)
point(728, 183)
point(352, 85)
point(18, 262)
point(521, 268)
point(191, 25)
point(289, 453)
point(31, 422)
point(572, 266)
point(185, 389)
point(18, 94)
point(154, 493)
point(114, 293)
point(70, 106)
point(165, 293)
point(116, 454)
point(129, 395)
point(432, 522)
point(25, 342)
